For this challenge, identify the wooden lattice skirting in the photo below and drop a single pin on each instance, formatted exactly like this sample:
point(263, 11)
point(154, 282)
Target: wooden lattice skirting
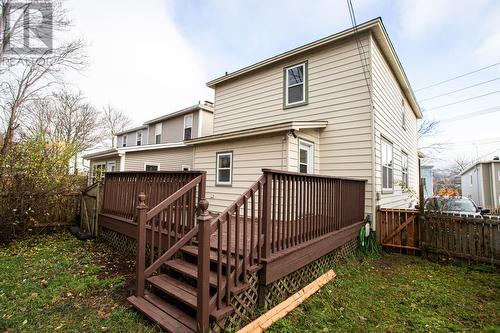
point(258, 299)
point(122, 243)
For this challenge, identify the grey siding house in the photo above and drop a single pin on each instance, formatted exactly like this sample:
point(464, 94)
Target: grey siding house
point(481, 183)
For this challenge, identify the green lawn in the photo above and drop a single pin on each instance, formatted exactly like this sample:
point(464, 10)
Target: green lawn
point(401, 294)
point(55, 283)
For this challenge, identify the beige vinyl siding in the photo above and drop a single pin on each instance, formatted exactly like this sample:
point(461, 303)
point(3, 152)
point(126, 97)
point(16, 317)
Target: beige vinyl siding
point(207, 123)
point(170, 159)
point(387, 97)
point(337, 92)
point(250, 155)
point(173, 129)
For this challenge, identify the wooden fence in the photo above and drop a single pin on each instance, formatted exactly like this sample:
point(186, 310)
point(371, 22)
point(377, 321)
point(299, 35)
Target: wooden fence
point(466, 237)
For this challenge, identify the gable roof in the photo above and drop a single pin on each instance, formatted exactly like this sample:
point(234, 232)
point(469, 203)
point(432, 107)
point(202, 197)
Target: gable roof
point(467, 169)
point(130, 130)
point(380, 34)
point(180, 113)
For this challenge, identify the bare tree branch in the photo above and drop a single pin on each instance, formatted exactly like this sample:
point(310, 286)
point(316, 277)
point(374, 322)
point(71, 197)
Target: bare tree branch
point(114, 121)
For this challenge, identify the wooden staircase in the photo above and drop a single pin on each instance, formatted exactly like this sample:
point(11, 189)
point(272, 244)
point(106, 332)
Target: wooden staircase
point(170, 298)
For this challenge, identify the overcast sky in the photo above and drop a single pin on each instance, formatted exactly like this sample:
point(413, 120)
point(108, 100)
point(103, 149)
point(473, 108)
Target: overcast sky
point(153, 57)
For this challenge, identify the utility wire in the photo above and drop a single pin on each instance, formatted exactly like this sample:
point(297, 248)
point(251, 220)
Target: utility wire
point(471, 114)
point(459, 76)
point(461, 89)
point(359, 44)
point(463, 100)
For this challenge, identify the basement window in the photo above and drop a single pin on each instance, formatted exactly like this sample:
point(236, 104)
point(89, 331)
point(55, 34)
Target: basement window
point(224, 168)
point(295, 85)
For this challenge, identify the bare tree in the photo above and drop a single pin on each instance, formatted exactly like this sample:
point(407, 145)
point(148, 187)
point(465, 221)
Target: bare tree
point(114, 121)
point(461, 163)
point(25, 76)
point(427, 129)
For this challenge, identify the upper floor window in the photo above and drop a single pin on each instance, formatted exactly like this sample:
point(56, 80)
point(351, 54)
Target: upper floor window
point(404, 168)
point(295, 85)
point(387, 165)
point(124, 141)
point(158, 128)
point(224, 168)
point(139, 138)
point(306, 157)
point(188, 126)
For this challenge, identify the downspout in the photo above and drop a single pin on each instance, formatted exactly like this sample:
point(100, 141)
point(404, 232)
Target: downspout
point(122, 162)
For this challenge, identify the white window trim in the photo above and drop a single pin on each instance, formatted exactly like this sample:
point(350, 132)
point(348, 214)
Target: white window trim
point(94, 170)
point(184, 127)
point(185, 166)
point(158, 130)
point(403, 172)
point(303, 65)
point(310, 154)
point(386, 189)
point(151, 163)
point(217, 181)
point(110, 163)
point(124, 140)
point(137, 137)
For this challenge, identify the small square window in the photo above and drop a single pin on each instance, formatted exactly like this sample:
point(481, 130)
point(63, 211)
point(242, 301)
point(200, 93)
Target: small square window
point(151, 167)
point(224, 168)
point(295, 85)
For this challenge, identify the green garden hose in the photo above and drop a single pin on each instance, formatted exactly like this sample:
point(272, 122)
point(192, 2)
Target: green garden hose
point(368, 244)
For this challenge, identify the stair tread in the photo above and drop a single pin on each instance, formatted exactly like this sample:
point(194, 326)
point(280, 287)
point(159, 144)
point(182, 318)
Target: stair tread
point(178, 289)
point(165, 317)
point(191, 270)
point(193, 250)
point(172, 310)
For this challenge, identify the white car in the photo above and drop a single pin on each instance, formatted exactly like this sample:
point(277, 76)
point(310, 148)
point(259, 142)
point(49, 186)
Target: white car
point(454, 205)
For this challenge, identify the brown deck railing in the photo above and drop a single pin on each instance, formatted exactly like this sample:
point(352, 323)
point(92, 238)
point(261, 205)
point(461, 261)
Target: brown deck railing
point(122, 189)
point(281, 210)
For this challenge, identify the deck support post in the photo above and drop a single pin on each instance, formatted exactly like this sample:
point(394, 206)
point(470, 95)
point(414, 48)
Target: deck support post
point(141, 245)
point(266, 253)
point(203, 308)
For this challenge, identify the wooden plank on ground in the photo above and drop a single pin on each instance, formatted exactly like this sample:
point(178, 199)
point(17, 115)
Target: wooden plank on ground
point(282, 309)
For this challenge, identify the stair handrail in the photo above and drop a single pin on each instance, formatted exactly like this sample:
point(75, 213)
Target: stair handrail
point(144, 215)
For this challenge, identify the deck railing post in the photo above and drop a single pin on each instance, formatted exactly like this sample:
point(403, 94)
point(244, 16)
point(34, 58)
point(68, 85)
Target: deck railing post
point(141, 244)
point(203, 308)
point(266, 221)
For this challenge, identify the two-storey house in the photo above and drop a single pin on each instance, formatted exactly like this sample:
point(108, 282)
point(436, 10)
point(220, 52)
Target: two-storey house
point(339, 106)
point(156, 145)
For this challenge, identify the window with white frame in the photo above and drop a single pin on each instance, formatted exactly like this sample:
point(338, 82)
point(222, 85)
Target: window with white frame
point(188, 126)
point(98, 170)
point(185, 167)
point(295, 84)
point(158, 128)
point(124, 141)
point(151, 166)
point(139, 138)
point(306, 156)
point(404, 168)
point(387, 165)
point(224, 168)
point(110, 166)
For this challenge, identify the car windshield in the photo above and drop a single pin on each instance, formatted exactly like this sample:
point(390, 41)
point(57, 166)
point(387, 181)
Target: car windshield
point(456, 205)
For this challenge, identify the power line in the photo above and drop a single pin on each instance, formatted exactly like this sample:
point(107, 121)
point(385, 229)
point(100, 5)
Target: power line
point(461, 89)
point(472, 114)
point(463, 100)
point(359, 44)
point(459, 76)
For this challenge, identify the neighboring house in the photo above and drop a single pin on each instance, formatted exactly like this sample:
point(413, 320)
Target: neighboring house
point(481, 183)
point(427, 176)
point(339, 106)
point(156, 145)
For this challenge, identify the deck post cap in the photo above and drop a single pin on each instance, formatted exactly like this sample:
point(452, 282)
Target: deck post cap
point(203, 204)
